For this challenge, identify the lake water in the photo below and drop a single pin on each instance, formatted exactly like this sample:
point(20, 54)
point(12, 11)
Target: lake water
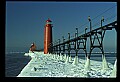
point(14, 63)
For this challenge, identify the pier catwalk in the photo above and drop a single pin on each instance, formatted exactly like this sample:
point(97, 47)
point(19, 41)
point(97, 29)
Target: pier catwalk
point(51, 65)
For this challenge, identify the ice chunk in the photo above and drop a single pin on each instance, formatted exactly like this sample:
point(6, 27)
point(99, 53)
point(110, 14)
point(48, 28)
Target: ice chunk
point(114, 71)
point(87, 64)
point(75, 62)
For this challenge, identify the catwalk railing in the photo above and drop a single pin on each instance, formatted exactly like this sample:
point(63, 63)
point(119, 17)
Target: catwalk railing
point(79, 42)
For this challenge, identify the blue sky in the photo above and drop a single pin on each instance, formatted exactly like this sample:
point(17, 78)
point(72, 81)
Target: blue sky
point(25, 21)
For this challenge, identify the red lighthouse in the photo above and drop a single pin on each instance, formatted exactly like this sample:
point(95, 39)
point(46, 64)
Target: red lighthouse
point(47, 35)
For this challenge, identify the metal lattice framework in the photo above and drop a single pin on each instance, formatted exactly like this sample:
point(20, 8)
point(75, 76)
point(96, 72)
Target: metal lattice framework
point(79, 42)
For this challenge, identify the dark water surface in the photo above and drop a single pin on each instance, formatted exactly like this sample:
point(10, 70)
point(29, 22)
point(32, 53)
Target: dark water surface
point(14, 63)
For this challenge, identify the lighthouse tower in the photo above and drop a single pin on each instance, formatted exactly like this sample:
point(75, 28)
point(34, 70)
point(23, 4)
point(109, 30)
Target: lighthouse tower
point(47, 35)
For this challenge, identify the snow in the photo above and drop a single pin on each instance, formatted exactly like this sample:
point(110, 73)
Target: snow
point(51, 65)
point(75, 62)
point(113, 74)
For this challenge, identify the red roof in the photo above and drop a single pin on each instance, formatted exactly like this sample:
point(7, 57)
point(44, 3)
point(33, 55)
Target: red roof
point(48, 20)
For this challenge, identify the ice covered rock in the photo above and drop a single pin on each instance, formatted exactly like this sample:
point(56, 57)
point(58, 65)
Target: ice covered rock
point(26, 54)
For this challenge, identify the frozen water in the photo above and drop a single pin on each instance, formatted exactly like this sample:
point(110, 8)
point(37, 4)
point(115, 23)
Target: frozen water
point(49, 65)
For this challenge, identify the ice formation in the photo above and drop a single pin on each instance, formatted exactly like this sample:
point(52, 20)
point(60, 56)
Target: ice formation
point(47, 65)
